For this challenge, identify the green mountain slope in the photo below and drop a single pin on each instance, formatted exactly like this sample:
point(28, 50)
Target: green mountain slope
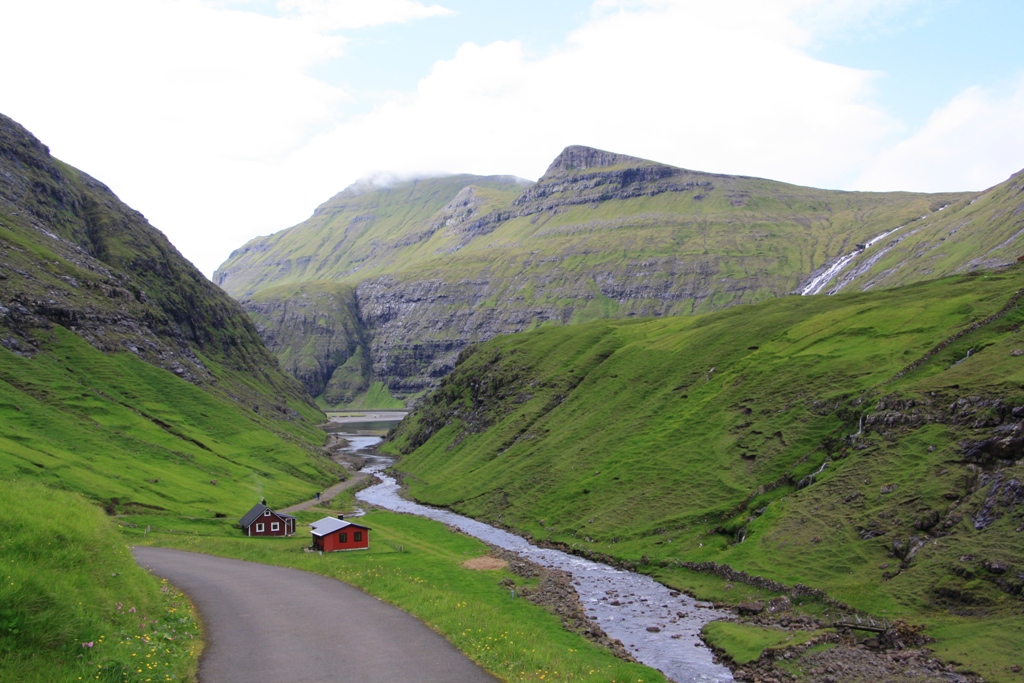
point(866, 444)
point(125, 375)
point(368, 230)
point(975, 232)
point(438, 264)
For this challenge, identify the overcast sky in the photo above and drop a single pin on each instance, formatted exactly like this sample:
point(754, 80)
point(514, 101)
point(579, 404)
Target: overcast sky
point(221, 120)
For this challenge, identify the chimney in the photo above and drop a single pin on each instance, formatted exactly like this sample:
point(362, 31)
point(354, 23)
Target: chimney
point(341, 517)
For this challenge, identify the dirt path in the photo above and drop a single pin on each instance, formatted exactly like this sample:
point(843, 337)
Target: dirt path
point(267, 624)
point(329, 493)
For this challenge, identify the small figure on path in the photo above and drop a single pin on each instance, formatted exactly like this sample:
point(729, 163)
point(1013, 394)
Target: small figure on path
point(318, 495)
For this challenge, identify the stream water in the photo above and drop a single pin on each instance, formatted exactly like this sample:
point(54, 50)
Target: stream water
point(817, 284)
point(658, 626)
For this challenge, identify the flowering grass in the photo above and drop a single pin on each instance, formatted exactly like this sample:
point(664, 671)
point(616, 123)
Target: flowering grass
point(416, 565)
point(74, 605)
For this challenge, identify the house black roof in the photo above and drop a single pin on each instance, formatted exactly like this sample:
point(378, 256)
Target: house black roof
point(252, 515)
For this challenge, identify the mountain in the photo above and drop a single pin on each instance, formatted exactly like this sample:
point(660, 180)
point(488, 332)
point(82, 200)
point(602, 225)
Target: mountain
point(429, 266)
point(869, 445)
point(125, 375)
point(976, 232)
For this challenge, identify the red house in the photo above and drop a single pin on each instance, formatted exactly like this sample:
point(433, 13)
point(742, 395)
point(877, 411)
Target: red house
point(262, 521)
point(330, 534)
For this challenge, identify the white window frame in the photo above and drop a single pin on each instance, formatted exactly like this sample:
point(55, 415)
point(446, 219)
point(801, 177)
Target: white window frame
point(275, 526)
point(259, 527)
point(266, 513)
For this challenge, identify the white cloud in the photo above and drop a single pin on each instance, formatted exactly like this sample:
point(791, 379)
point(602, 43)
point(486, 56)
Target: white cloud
point(690, 83)
point(186, 109)
point(206, 115)
point(972, 143)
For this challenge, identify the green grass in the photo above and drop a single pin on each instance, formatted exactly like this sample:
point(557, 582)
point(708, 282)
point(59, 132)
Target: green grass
point(777, 230)
point(127, 380)
point(73, 603)
point(745, 642)
point(617, 438)
point(127, 434)
point(125, 375)
point(415, 564)
point(569, 249)
point(377, 397)
point(975, 232)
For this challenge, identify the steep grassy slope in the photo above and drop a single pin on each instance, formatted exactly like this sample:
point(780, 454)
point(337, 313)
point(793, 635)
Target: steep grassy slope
point(866, 444)
point(125, 375)
point(600, 235)
point(976, 232)
point(73, 603)
point(368, 230)
point(132, 437)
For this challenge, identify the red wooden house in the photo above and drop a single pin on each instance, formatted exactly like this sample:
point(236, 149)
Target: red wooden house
point(330, 534)
point(262, 521)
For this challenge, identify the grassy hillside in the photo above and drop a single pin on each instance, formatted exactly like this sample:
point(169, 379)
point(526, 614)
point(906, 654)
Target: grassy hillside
point(367, 229)
point(125, 375)
point(604, 217)
point(976, 232)
point(128, 383)
point(436, 264)
point(133, 437)
point(74, 605)
point(787, 439)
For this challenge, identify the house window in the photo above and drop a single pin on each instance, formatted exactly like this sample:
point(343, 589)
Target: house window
point(342, 538)
point(359, 536)
point(275, 526)
point(266, 513)
point(259, 528)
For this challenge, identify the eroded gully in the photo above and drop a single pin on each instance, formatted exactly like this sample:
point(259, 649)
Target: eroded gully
point(659, 627)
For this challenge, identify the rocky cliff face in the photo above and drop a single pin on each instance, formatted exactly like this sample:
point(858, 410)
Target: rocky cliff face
point(437, 264)
point(318, 337)
point(73, 255)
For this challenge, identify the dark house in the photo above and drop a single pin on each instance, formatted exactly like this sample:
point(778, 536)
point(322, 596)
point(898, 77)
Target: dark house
point(330, 534)
point(262, 521)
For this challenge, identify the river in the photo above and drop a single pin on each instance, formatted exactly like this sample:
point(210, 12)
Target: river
point(659, 627)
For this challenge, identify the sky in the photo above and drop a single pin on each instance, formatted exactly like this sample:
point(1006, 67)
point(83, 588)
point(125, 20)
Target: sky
point(222, 120)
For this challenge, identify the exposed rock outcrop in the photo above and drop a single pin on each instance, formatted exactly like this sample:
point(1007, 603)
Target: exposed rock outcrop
point(73, 255)
point(440, 263)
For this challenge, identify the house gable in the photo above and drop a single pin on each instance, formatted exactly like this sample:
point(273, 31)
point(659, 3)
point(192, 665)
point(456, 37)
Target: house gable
point(262, 521)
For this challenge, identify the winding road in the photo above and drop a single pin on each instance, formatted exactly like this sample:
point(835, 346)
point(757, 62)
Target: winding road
point(328, 493)
point(267, 624)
